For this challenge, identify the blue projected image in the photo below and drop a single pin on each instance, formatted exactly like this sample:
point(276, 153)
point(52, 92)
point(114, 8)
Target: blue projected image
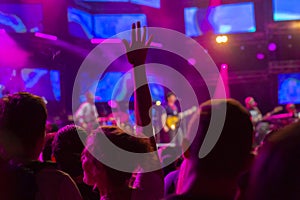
point(289, 88)
point(233, 18)
point(223, 19)
point(80, 23)
point(194, 19)
point(106, 0)
point(284, 10)
point(42, 82)
point(116, 86)
point(150, 3)
point(21, 18)
point(108, 25)
point(7, 81)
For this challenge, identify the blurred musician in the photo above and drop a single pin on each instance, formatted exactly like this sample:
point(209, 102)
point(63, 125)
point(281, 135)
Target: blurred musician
point(256, 115)
point(170, 129)
point(291, 109)
point(86, 115)
point(171, 121)
point(254, 111)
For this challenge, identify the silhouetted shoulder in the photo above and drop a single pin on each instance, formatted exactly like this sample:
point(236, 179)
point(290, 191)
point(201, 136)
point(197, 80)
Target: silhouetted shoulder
point(55, 184)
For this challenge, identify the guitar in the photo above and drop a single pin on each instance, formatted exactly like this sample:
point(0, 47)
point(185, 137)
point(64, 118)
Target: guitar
point(257, 117)
point(172, 121)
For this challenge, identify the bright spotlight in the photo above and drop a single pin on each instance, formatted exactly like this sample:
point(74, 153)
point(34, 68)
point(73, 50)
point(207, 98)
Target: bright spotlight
point(224, 66)
point(158, 103)
point(221, 39)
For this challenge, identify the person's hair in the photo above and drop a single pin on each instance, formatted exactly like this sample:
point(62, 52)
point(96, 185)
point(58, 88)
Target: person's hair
point(47, 149)
point(67, 147)
point(22, 120)
point(275, 173)
point(98, 146)
point(233, 148)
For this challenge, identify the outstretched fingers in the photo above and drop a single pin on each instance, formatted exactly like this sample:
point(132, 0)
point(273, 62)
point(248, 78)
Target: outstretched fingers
point(148, 43)
point(133, 33)
point(138, 31)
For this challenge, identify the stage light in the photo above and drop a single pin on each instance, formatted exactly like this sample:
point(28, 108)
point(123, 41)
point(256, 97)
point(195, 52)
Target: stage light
point(173, 127)
point(106, 41)
point(45, 36)
point(221, 39)
point(224, 66)
point(272, 46)
point(158, 103)
point(260, 56)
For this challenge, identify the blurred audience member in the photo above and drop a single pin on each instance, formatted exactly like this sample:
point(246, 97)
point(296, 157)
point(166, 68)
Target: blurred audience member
point(216, 175)
point(46, 154)
point(112, 183)
point(275, 174)
point(67, 147)
point(22, 132)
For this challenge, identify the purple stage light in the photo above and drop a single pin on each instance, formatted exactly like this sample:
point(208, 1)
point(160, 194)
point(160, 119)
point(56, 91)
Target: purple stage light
point(107, 41)
point(224, 66)
point(272, 46)
point(45, 36)
point(260, 56)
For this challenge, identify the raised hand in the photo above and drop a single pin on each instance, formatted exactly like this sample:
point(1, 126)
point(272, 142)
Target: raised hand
point(137, 49)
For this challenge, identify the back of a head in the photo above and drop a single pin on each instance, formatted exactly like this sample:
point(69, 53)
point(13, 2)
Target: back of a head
point(67, 147)
point(22, 123)
point(98, 146)
point(233, 147)
point(275, 174)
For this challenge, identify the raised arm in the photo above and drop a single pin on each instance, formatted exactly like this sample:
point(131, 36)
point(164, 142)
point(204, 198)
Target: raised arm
point(151, 183)
point(136, 54)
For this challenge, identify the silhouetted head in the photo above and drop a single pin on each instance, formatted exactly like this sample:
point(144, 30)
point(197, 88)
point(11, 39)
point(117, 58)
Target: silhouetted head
point(232, 151)
point(22, 125)
point(67, 147)
point(275, 174)
point(97, 173)
point(235, 141)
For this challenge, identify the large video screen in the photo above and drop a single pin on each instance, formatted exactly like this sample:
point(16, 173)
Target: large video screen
point(289, 88)
point(87, 26)
point(284, 10)
point(194, 21)
point(223, 19)
point(21, 18)
point(41, 82)
point(116, 86)
point(150, 3)
point(106, 0)
point(108, 25)
point(80, 23)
